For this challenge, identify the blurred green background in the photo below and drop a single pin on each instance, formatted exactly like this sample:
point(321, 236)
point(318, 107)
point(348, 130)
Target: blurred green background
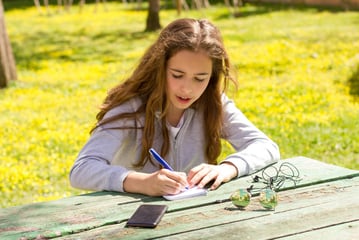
point(297, 69)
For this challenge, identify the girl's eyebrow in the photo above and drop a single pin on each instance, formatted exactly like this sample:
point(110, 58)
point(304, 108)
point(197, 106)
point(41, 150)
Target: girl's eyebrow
point(197, 74)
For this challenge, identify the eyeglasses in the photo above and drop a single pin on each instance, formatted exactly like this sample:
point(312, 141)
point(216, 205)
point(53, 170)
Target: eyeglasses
point(287, 175)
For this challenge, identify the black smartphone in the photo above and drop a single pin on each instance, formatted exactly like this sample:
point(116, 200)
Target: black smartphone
point(147, 215)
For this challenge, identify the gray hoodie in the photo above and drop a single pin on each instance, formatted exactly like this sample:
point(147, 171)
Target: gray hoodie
point(107, 158)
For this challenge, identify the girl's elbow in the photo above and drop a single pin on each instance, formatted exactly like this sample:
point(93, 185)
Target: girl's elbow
point(74, 178)
point(275, 152)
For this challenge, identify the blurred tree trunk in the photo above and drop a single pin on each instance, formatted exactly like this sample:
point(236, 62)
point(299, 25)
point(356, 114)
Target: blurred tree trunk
point(153, 17)
point(7, 61)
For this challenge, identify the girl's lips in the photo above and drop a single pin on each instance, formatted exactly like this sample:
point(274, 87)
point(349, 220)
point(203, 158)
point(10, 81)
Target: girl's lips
point(183, 100)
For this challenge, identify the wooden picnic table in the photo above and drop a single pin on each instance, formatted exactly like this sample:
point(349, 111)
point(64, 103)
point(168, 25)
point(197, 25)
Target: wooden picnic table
point(323, 205)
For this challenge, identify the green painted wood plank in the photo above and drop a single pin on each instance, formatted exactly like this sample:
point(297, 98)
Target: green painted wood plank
point(345, 231)
point(277, 225)
point(300, 211)
point(90, 211)
point(54, 218)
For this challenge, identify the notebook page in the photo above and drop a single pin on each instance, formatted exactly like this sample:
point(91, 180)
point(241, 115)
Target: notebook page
point(193, 192)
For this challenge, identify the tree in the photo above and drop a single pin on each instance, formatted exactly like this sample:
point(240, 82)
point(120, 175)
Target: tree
point(7, 61)
point(153, 17)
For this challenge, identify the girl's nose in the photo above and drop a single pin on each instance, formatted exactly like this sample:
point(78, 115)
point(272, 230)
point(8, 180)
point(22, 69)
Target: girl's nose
point(187, 86)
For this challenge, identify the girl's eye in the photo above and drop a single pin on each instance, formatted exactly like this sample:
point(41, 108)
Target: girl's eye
point(176, 76)
point(200, 79)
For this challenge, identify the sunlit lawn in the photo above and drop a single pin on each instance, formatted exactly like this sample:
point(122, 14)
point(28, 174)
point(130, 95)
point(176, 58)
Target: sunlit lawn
point(292, 65)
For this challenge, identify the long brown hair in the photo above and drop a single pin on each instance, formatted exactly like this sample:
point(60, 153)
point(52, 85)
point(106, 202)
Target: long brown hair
point(148, 82)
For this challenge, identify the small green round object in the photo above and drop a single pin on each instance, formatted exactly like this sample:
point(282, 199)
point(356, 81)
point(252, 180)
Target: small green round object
point(241, 198)
point(268, 199)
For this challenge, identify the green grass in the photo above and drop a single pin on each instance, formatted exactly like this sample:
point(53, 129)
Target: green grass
point(293, 66)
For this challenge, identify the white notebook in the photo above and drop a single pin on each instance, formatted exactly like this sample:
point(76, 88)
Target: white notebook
point(193, 192)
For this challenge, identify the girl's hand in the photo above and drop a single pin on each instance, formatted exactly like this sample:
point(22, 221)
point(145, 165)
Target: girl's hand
point(204, 173)
point(159, 183)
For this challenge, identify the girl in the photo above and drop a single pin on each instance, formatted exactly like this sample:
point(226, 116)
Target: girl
point(173, 102)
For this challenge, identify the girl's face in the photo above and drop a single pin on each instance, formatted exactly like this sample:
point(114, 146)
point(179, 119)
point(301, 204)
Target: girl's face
point(188, 75)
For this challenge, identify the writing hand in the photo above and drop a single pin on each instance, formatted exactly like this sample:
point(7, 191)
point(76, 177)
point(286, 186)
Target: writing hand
point(159, 183)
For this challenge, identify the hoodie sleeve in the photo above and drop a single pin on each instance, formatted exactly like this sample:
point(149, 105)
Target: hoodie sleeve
point(94, 168)
point(254, 150)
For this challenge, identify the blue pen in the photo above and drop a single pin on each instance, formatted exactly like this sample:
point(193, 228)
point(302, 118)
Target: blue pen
point(160, 160)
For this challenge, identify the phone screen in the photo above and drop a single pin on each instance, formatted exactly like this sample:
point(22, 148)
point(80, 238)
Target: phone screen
point(147, 215)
